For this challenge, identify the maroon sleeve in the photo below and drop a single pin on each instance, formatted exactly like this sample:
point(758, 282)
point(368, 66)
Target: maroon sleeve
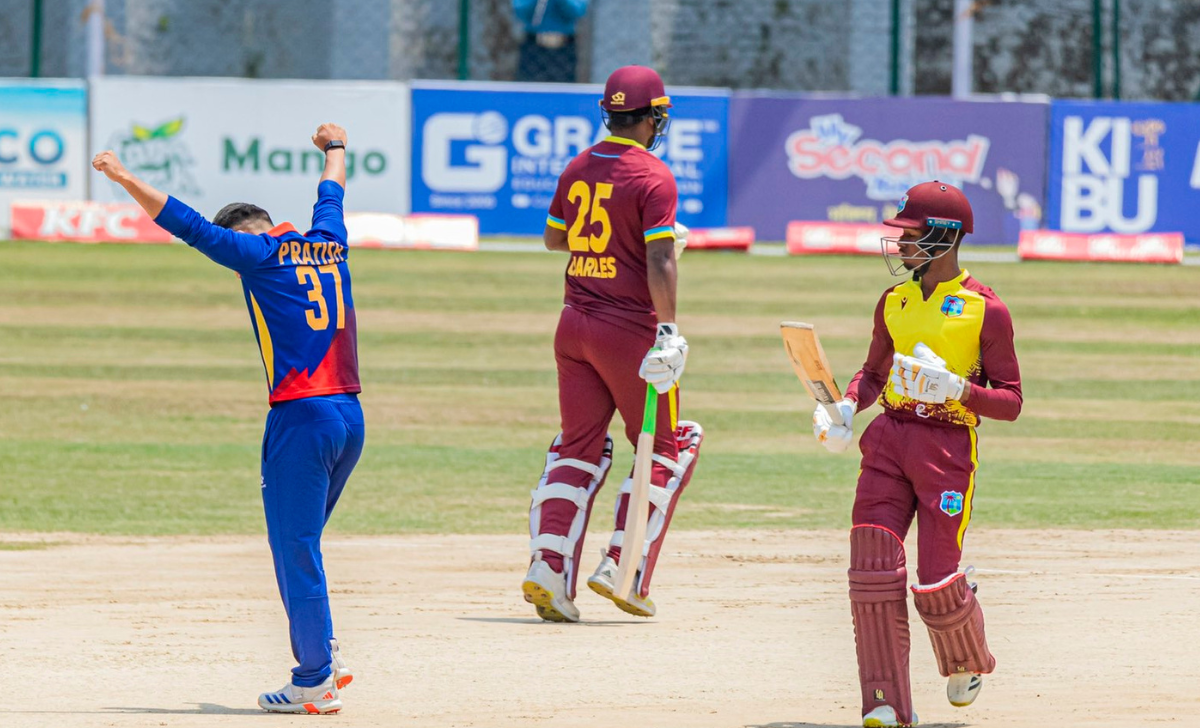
point(557, 203)
point(868, 384)
point(1000, 369)
point(659, 203)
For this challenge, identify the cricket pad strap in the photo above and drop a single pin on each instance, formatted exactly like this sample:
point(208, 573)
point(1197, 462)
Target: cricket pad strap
point(688, 436)
point(552, 491)
point(879, 604)
point(955, 622)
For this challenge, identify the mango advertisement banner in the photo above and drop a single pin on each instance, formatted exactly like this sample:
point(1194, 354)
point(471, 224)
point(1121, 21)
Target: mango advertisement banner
point(210, 142)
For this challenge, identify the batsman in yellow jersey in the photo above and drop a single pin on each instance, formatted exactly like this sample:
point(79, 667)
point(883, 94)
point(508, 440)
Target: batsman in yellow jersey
point(941, 358)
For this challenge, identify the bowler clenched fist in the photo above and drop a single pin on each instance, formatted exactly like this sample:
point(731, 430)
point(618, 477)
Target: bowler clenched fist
point(108, 163)
point(327, 133)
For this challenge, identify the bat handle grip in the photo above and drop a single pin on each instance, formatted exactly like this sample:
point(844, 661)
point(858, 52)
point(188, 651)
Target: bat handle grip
point(650, 412)
point(834, 414)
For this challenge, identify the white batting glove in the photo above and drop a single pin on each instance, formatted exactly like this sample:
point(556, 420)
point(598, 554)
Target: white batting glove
point(663, 365)
point(681, 236)
point(925, 378)
point(835, 438)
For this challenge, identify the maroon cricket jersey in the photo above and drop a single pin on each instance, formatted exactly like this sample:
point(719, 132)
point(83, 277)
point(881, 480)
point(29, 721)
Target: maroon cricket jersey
point(612, 200)
point(965, 323)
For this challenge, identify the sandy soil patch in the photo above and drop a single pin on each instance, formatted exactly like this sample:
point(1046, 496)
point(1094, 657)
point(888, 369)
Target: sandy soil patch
point(1096, 628)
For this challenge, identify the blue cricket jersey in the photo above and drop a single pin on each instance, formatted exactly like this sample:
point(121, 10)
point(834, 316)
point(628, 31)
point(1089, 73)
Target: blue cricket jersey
point(297, 290)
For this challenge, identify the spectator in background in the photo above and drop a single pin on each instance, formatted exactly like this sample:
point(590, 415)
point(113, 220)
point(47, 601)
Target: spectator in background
point(548, 50)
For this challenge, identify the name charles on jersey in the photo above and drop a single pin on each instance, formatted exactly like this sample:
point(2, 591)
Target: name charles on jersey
point(588, 267)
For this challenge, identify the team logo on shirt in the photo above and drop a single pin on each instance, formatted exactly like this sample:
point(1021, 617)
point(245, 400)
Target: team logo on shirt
point(952, 503)
point(953, 306)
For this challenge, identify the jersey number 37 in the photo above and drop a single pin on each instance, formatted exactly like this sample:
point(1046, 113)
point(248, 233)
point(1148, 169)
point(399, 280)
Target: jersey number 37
point(307, 275)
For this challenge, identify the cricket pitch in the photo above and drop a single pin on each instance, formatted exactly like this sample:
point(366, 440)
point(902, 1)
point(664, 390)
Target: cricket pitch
point(753, 630)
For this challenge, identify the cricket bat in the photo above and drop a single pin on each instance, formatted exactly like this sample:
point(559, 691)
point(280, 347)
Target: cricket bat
point(637, 510)
point(808, 359)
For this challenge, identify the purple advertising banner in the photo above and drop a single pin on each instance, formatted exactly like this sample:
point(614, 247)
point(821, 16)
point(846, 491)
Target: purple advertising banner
point(851, 160)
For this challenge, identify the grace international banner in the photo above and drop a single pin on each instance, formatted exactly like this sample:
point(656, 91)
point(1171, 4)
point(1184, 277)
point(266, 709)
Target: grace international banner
point(43, 142)
point(210, 142)
point(496, 150)
point(1125, 168)
point(850, 160)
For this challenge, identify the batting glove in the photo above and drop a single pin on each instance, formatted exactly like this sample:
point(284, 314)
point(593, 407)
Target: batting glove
point(835, 438)
point(663, 365)
point(925, 378)
point(681, 236)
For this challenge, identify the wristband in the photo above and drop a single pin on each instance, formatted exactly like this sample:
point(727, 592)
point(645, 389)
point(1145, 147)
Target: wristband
point(335, 144)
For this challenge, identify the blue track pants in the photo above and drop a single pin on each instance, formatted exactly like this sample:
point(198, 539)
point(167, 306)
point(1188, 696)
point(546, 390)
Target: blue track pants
point(310, 448)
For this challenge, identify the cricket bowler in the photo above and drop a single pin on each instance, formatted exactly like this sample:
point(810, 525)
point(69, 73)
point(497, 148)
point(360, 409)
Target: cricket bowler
point(942, 357)
point(298, 293)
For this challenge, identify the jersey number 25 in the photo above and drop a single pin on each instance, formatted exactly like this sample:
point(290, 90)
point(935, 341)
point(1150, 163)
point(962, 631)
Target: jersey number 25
point(582, 194)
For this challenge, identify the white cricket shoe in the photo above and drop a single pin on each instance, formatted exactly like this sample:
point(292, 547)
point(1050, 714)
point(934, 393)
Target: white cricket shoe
point(963, 688)
point(342, 675)
point(885, 717)
point(320, 700)
point(601, 582)
point(546, 590)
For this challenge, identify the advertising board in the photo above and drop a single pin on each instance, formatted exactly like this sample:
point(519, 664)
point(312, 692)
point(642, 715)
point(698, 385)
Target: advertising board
point(495, 150)
point(850, 160)
point(43, 142)
point(210, 142)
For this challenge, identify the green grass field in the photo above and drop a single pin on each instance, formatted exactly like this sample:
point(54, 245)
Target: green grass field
point(133, 395)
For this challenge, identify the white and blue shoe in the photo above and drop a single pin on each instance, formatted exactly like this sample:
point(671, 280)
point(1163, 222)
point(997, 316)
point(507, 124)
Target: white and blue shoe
point(322, 699)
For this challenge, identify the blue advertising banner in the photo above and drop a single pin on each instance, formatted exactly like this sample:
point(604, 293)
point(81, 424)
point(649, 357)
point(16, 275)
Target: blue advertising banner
point(1125, 167)
point(851, 160)
point(43, 142)
point(496, 150)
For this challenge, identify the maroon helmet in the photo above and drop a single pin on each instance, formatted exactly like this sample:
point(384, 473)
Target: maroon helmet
point(637, 91)
point(943, 215)
point(634, 87)
point(934, 204)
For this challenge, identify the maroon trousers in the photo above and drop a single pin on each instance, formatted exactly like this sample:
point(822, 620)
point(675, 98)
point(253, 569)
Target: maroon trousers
point(597, 376)
point(911, 467)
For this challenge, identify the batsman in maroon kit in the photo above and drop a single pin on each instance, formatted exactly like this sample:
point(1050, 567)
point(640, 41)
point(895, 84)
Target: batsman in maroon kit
point(942, 357)
point(614, 212)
